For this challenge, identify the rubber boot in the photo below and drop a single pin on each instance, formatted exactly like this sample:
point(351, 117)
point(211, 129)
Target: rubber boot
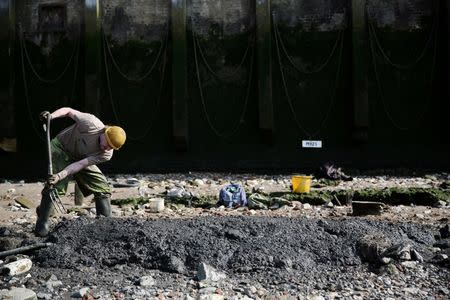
point(43, 212)
point(103, 204)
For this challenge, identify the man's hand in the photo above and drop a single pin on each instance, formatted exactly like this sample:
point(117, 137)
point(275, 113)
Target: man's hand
point(55, 178)
point(43, 116)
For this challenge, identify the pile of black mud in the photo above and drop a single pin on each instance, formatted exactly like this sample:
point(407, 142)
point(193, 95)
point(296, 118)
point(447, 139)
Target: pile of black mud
point(231, 244)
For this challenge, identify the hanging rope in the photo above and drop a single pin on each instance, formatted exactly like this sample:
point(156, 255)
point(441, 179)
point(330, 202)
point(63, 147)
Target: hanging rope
point(151, 68)
point(412, 64)
point(378, 81)
point(239, 122)
point(231, 74)
point(149, 125)
point(301, 68)
point(36, 73)
point(25, 82)
point(286, 90)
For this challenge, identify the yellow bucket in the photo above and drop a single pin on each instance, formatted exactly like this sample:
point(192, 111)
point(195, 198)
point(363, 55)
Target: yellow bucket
point(301, 184)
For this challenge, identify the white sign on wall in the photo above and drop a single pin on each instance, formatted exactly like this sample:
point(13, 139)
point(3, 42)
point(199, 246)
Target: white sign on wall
point(311, 144)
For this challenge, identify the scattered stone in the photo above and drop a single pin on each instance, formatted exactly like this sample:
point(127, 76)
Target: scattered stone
point(18, 294)
point(211, 297)
point(146, 281)
point(178, 192)
point(45, 296)
point(199, 182)
point(409, 264)
point(386, 260)
point(81, 293)
point(25, 202)
point(415, 255)
point(440, 204)
point(389, 269)
point(133, 181)
point(206, 272)
point(372, 247)
point(399, 251)
point(207, 290)
point(17, 267)
point(441, 257)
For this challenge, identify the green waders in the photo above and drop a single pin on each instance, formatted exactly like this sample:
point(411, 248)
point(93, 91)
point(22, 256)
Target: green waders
point(90, 181)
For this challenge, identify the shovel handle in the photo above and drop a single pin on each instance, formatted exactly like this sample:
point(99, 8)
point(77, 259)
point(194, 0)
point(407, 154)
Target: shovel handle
point(49, 149)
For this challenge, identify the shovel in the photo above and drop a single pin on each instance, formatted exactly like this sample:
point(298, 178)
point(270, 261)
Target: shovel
point(50, 191)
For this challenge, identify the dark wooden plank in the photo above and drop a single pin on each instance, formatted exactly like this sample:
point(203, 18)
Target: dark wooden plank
point(364, 208)
point(92, 48)
point(264, 48)
point(179, 74)
point(360, 69)
point(7, 48)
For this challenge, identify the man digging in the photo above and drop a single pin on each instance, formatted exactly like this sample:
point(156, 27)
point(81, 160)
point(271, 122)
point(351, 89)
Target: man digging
point(75, 152)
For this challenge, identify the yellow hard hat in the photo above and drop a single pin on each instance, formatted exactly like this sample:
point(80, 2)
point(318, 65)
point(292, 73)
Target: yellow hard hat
point(115, 136)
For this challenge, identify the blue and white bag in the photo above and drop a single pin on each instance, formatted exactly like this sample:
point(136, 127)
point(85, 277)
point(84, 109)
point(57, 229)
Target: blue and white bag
point(232, 195)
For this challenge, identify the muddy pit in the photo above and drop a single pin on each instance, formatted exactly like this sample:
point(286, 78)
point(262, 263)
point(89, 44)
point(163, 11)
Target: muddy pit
point(262, 257)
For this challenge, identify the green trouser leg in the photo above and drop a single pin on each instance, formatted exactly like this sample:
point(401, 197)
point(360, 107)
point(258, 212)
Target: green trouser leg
point(103, 204)
point(42, 224)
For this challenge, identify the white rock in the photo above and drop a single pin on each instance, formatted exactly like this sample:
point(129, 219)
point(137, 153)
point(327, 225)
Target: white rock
point(409, 264)
point(315, 297)
point(206, 272)
point(18, 294)
point(199, 182)
point(17, 267)
point(80, 293)
point(146, 281)
point(211, 297)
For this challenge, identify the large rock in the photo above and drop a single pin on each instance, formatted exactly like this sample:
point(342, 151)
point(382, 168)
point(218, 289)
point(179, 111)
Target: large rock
point(17, 267)
point(372, 247)
point(18, 294)
point(206, 272)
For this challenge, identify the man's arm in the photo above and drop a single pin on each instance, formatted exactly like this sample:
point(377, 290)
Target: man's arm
point(69, 170)
point(65, 112)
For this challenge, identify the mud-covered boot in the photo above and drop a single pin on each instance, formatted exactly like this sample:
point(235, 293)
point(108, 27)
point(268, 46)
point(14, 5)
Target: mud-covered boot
point(43, 212)
point(103, 204)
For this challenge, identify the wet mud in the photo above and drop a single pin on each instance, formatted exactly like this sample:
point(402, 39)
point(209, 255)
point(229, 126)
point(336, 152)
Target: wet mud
point(265, 255)
point(232, 244)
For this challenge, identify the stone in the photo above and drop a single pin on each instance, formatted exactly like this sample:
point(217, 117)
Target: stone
point(409, 264)
point(371, 247)
point(207, 290)
point(198, 182)
point(400, 251)
point(386, 260)
point(390, 269)
point(17, 267)
point(25, 202)
point(18, 294)
point(81, 292)
point(146, 281)
point(45, 296)
point(206, 272)
point(211, 297)
point(415, 255)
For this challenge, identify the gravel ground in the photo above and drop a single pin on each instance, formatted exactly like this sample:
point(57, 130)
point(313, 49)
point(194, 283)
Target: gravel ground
point(296, 252)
